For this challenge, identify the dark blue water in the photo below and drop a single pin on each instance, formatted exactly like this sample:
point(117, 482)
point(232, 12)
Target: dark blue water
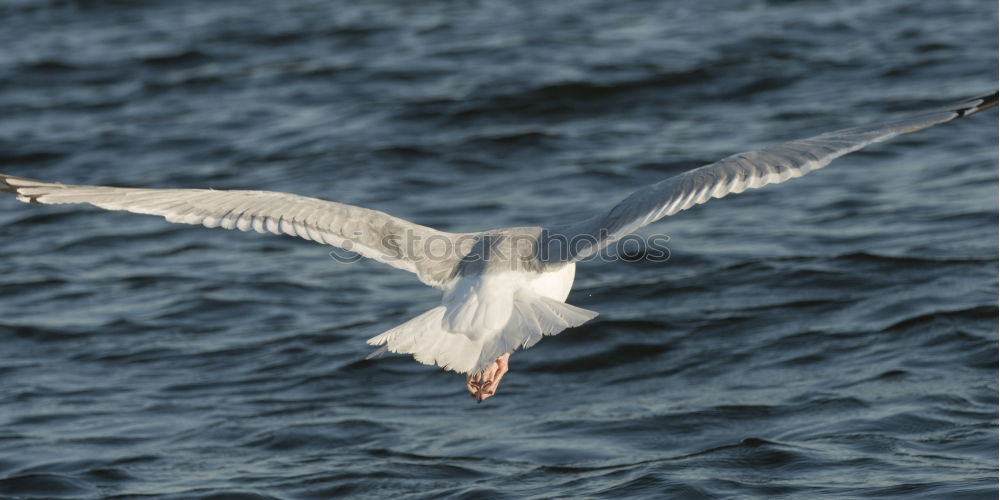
point(832, 337)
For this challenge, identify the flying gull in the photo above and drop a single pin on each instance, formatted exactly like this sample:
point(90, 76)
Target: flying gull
point(503, 289)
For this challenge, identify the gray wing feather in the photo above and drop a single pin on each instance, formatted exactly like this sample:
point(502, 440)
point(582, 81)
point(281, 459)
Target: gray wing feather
point(733, 174)
point(428, 253)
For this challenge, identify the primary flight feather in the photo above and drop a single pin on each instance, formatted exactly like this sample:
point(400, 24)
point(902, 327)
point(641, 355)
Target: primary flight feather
point(504, 289)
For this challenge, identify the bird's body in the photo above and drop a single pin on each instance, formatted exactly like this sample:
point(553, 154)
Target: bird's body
point(503, 289)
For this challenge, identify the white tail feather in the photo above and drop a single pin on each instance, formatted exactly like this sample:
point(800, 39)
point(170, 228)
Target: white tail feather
point(428, 340)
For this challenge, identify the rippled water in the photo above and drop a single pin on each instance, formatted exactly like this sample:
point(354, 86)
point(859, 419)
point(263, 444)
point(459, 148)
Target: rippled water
point(835, 336)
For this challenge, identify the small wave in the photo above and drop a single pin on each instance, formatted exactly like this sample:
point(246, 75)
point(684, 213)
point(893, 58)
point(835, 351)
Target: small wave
point(50, 66)
point(550, 98)
point(175, 58)
point(41, 334)
point(972, 313)
point(615, 357)
point(871, 257)
point(46, 486)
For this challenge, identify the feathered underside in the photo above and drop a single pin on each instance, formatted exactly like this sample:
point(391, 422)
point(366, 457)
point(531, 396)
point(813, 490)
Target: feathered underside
point(734, 174)
point(431, 254)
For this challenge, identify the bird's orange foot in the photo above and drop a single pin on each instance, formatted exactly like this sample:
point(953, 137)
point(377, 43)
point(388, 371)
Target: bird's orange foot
point(484, 384)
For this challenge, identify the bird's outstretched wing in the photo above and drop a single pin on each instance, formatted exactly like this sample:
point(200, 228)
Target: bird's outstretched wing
point(429, 253)
point(733, 174)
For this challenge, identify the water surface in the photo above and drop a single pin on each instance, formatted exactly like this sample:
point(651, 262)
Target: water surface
point(832, 337)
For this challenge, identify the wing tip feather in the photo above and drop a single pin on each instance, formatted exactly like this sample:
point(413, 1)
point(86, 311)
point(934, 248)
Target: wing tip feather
point(974, 105)
point(981, 103)
point(13, 185)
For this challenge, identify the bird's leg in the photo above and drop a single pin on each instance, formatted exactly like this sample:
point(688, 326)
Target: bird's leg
point(484, 384)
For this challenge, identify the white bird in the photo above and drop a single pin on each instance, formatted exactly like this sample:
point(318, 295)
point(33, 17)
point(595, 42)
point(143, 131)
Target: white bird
point(504, 289)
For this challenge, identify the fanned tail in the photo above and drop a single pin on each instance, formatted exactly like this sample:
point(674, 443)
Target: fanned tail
point(427, 339)
point(535, 316)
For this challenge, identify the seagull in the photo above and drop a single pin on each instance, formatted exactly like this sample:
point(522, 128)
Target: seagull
point(503, 289)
